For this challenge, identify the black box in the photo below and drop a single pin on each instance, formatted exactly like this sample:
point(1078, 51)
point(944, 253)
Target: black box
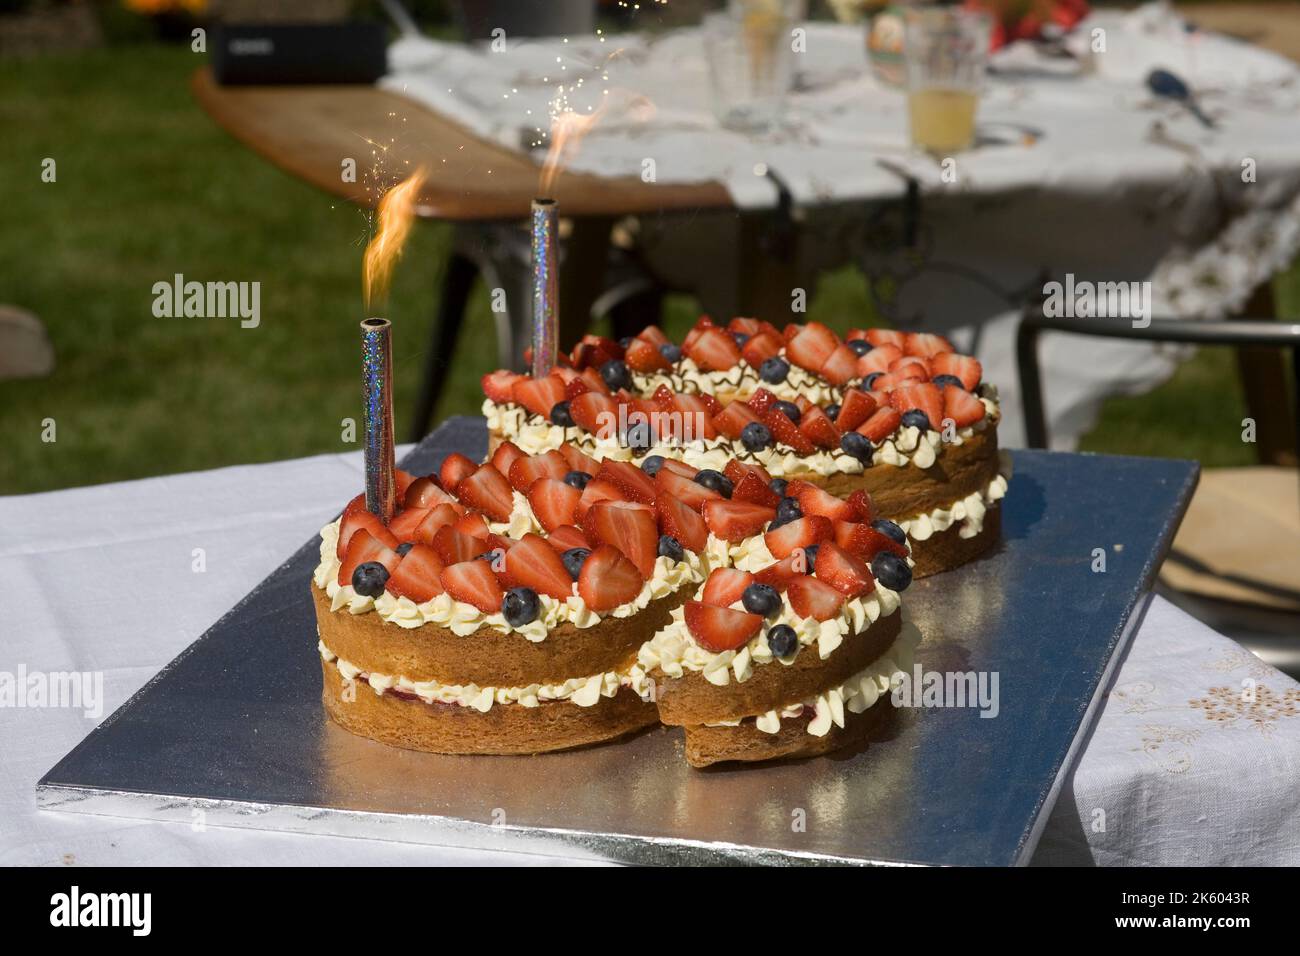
point(351, 52)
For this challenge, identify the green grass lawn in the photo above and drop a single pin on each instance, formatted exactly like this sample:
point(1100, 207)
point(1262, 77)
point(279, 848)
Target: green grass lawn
point(148, 186)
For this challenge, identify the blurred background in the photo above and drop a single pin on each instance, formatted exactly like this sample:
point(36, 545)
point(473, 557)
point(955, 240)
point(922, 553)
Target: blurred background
point(148, 185)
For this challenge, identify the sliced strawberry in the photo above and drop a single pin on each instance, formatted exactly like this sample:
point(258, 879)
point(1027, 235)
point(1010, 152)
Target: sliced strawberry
point(633, 531)
point(577, 459)
point(791, 330)
point(725, 586)
point(608, 579)
point(454, 468)
point(676, 518)
point(576, 386)
point(539, 395)
point(654, 335)
point(815, 599)
point(665, 398)
point(679, 468)
point(595, 382)
point(818, 501)
point(865, 541)
point(425, 493)
point(855, 408)
point(755, 490)
point(879, 359)
point(554, 502)
point(786, 431)
point(841, 366)
point(923, 396)
point(801, 533)
point(528, 469)
point(863, 505)
point(714, 350)
point(845, 572)
point(442, 516)
point(882, 423)
point(761, 400)
point(643, 356)
point(733, 418)
point(363, 547)
point(402, 480)
point(702, 325)
point(596, 413)
point(597, 490)
point(474, 583)
point(819, 429)
point(499, 385)
point(802, 403)
point(405, 522)
point(911, 366)
point(487, 491)
point(780, 575)
point(812, 346)
point(695, 417)
point(926, 345)
point(688, 492)
point(455, 546)
point(736, 470)
point(720, 629)
point(564, 373)
point(761, 347)
point(418, 575)
point(879, 337)
point(635, 484)
point(473, 524)
point(736, 520)
point(743, 324)
point(532, 563)
point(364, 521)
point(506, 454)
point(961, 406)
point(565, 537)
point(964, 367)
point(358, 504)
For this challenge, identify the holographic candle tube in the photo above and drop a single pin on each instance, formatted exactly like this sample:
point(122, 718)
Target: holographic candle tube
point(546, 287)
point(377, 391)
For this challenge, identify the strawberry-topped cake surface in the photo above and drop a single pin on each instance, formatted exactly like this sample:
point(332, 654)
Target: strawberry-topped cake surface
point(900, 415)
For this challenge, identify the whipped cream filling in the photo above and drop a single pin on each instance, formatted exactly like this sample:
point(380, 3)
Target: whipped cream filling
point(966, 512)
point(673, 651)
point(907, 446)
point(583, 691)
point(855, 695)
point(462, 618)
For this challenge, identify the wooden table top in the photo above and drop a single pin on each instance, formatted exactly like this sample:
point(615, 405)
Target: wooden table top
point(309, 130)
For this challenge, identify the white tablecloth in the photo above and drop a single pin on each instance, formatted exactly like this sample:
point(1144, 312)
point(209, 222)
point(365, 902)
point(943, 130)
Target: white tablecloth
point(1178, 770)
point(1119, 186)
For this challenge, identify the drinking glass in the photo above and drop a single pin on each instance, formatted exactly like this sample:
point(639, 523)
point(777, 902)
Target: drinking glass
point(946, 51)
point(750, 55)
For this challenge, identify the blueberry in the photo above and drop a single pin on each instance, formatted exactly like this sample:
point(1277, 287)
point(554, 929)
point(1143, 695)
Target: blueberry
point(857, 446)
point(671, 353)
point(774, 370)
point(761, 599)
point(756, 436)
point(741, 338)
point(810, 558)
point(870, 381)
point(890, 530)
point(777, 486)
point(714, 481)
point(915, 418)
point(860, 347)
point(578, 479)
point(787, 509)
point(891, 571)
point(573, 559)
point(616, 375)
point(942, 380)
point(832, 411)
point(652, 464)
point(520, 605)
point(560, 415)
point(369, 579)
point(625, 342)
point(405, 548)
point(782, 640)
point(637, 436)
point(670, 547)
point(789, 409)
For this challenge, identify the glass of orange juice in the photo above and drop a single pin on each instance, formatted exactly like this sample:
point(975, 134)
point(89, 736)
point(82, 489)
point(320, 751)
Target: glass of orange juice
point(946, 51)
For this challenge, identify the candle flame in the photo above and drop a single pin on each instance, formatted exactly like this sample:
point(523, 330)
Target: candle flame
point(396, 214)
point(567, 130)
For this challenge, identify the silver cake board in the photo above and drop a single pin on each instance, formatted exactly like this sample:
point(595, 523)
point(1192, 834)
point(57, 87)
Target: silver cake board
point(933, 785)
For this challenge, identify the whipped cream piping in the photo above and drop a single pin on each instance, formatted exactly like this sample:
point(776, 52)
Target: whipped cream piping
point(583, 691)
point(461, 618)
point(967, 512)
point(855, 695)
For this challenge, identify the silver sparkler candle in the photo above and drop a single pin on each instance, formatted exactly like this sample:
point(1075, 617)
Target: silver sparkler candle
point(377, 390)
point(546, 294)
